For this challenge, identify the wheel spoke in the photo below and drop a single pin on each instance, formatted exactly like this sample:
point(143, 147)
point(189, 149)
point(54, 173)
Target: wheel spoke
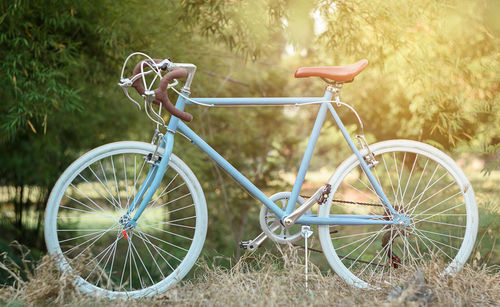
point(354, 235)
point(367, 186)
point(436, 193)
point(406, 206)
point(433, 242)
point(443, 223)
point(125, 177)
point(84, 195)
point(106, 188)
point(166, 242)
point(166, 231)
point(439, 203)
point(409, 178)
point(390, 178)
point(369, 196)
point(361, 254)
point(93, 239)
point(104, 252)
point(428, 186)
point(127, 256)
point(81, 236)
point(164, 251)
point(384, 250)
point(111, 267)
point(143, 265)
point(88, 212)
point(437, 214)
point(116, 182)
point(96, 190)
point(144, 240)
point(441, 234)
point(163, 193)
point(171, 201)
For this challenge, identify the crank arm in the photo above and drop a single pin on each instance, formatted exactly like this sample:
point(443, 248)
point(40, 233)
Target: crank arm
point(320, 197)
point(255, 243)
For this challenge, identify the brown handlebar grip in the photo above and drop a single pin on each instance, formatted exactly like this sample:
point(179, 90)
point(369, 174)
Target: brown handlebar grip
point(161, 92)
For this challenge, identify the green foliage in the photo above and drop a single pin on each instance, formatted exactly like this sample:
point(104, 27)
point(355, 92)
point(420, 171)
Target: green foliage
point(55, 65)
point(37, 58)
point(248, 28)
point(434, 65)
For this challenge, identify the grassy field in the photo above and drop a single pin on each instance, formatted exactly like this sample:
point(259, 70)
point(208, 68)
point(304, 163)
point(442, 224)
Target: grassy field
point(270, 280)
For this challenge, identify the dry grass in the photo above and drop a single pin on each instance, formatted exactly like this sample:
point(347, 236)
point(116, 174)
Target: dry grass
point(265, 280)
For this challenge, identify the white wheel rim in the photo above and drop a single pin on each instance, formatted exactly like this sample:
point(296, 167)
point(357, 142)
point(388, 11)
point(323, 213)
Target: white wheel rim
point(421, 149)
point(193, 250)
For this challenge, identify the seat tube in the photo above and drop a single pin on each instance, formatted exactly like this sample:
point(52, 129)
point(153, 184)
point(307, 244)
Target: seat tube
point(304, 165)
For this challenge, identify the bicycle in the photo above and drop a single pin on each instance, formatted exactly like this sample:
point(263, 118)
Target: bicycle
point(129, 219)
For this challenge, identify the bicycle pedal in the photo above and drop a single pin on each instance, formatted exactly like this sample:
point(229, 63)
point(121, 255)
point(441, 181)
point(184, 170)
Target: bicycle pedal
point(245, 244)
point(324, 194)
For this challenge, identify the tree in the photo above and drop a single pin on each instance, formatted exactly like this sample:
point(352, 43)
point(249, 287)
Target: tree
point(54, 64)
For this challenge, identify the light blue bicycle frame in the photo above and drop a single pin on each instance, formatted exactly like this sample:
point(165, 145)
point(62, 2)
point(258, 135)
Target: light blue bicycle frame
point(156, 172)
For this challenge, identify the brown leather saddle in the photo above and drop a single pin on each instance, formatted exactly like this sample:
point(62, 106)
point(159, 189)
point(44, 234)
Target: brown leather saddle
point(338, 74)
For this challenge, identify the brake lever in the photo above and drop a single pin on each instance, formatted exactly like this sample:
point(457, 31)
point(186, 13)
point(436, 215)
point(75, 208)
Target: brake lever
point(124, 84)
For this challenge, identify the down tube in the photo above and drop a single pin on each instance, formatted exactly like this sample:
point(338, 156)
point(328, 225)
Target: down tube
point(230, 169)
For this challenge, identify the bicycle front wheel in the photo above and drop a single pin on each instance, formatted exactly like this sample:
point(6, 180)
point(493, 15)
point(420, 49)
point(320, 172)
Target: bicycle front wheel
point(84, 234)
point(422, 183)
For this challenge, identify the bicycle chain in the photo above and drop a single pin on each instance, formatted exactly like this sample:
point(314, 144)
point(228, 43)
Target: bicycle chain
point(350, 202)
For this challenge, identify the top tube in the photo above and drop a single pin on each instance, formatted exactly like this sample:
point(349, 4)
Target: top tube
point(267, 101)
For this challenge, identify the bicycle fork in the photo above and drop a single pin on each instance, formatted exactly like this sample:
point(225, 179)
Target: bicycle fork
point(153, 179)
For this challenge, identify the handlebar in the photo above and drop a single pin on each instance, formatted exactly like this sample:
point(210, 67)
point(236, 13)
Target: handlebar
point(160, 94)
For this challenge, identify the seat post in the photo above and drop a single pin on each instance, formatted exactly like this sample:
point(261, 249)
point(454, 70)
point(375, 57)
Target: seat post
point(334, 88)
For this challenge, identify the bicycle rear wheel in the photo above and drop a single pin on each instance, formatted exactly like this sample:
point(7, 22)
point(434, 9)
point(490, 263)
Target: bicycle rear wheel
point(420, 182)
point(84, 234)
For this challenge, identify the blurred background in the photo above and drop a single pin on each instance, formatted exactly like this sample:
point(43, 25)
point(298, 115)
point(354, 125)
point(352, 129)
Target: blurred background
point(433, 76)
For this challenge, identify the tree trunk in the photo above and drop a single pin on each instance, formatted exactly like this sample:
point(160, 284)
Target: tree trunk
point(42, 201)
point(19, 207)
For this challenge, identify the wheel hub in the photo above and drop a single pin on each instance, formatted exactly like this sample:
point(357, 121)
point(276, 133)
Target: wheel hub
point(402, 220)
point(124, 220)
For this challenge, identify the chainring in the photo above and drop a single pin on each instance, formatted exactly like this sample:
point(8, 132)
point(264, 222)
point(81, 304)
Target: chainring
point(270, 223)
